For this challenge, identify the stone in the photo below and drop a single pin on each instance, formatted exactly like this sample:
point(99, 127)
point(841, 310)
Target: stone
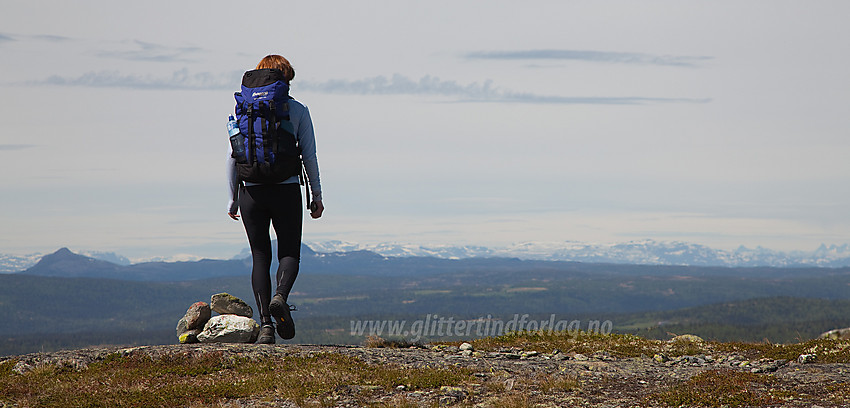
point(687, 338)
point(194, 320)
point(182, 326)
point(189, 337)
point(229, 328)
point(603, 355)
point(837, 334)
point(225, 303)
point(22, 368)
point(466, 346)
point(807, 358)
point(197, 315)
point(661, 358)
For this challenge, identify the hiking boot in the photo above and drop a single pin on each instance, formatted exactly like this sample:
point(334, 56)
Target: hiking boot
point(280, 312)
point(266, 334)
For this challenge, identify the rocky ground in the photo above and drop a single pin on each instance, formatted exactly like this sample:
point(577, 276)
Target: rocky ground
point(514, 377)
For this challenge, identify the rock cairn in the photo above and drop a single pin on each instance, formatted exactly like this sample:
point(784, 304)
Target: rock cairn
point(233, 324)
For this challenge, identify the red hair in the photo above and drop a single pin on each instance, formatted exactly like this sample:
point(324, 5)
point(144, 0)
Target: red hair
point(274, 61)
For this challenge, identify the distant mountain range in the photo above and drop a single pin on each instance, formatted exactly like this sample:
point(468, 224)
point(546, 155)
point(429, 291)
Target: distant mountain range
point(645, 252)
point(81, 300)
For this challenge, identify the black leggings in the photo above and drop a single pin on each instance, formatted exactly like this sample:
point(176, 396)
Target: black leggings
point(280, 204)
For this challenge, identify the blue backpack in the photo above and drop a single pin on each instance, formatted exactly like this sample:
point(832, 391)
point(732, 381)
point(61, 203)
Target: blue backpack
point(265, 150)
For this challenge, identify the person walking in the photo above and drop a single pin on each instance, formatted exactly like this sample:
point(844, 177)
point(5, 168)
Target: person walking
point(278, 203)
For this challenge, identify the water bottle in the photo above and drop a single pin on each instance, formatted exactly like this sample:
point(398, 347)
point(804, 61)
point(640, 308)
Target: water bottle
point(232, 125)
point(237, 141)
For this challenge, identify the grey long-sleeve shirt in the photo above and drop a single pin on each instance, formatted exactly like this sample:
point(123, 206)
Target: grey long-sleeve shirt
point(299, 115)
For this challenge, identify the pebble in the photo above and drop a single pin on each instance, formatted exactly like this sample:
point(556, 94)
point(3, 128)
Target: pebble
point(661, 358)
point(807, 358)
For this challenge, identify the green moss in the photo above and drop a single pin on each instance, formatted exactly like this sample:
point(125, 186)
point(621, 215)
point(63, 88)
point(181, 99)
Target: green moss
point(226, 295)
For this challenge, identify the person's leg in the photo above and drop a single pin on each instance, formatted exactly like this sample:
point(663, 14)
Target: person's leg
point(256, 219)
point(286, 219)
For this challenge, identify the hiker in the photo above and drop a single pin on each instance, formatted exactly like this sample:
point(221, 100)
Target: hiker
point(275, 199)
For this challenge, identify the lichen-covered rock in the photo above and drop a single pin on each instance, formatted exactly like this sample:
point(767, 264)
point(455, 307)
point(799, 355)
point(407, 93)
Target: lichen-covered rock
point(197, 315)
point(687, 338)
point(225, 303)
point(807, 358)
point(189, 337)
point(194, 320)
point(229, 328)
point(837, 334)
point(182, 326)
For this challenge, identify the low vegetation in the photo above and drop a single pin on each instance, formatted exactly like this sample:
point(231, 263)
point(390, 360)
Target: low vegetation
point(727, 388)
point(319, 379)
point(627, 345)
point(209, 379)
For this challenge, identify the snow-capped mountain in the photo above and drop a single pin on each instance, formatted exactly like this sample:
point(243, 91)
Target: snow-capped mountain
point(16, 263)
point(633, 252)
point(644, 252)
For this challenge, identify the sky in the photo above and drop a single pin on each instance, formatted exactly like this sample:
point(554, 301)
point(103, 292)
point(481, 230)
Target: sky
point(723, 123)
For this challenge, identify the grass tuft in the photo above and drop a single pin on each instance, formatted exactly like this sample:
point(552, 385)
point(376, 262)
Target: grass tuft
point(379, 342)
point(827, 350)
point(618, 345)
point(716, 388)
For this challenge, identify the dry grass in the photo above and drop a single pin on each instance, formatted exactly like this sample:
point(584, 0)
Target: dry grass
point(618, 345)
point(317, 380)
point(379, 342)
point(726, 388)
point(626, 345)
point(827, 350)
point(514, 400)
point(209, 379)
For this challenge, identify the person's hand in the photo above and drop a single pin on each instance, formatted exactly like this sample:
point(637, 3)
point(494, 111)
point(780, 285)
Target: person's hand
point(234, 216)
point(318, 211)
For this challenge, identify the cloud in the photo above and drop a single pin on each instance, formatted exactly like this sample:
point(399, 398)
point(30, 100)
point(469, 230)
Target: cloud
point(49, 37)
point(40, 37)
point(592, 56)
point(474, 92)
point(181, 79)
point(379, 85)
point(15, 146)
point(145, 51)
